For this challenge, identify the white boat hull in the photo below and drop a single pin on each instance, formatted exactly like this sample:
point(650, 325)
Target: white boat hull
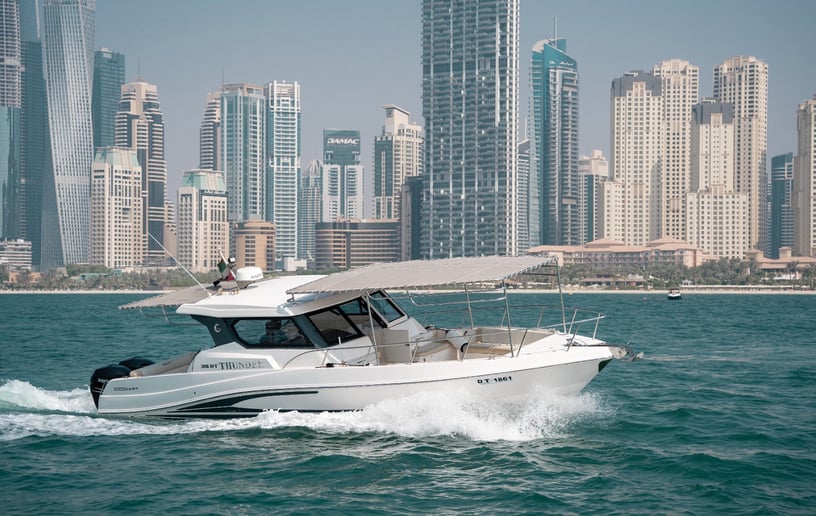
point(342, 388)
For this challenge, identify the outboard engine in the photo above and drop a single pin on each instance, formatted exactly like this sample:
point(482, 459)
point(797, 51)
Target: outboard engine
point(101, 376)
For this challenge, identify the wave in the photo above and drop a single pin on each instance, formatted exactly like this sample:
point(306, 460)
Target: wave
point(26, 410)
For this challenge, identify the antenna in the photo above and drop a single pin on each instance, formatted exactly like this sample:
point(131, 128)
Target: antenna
point(179, 264)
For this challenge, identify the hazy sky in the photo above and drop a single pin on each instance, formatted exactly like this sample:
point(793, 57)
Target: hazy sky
point(353, 57)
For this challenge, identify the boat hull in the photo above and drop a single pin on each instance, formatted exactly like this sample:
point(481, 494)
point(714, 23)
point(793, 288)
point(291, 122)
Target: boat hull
point(225, 394)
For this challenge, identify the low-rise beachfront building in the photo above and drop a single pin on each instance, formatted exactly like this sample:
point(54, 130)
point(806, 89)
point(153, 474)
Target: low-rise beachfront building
point(610, 253)
point(787, 267)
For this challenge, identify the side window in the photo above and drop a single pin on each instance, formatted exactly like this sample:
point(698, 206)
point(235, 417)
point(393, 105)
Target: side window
point(385, 306)
point(271, 333)
point(334, 326)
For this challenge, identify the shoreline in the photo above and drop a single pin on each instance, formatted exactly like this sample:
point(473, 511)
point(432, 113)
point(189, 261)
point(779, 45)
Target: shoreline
point(725, 290)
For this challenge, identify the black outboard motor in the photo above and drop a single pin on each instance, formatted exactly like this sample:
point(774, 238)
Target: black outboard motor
point(101, 376)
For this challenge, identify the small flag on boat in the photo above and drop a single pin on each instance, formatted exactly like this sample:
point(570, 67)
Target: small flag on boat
point(222, 265)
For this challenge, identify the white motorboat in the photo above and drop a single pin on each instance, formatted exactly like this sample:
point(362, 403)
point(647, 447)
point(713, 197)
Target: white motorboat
point(674, 294)
point(348, 340)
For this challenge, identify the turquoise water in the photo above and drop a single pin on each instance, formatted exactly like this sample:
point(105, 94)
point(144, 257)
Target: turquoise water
point(718, 418)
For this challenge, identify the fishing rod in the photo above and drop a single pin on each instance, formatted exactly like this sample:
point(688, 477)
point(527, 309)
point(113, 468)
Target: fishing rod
point(179, 264)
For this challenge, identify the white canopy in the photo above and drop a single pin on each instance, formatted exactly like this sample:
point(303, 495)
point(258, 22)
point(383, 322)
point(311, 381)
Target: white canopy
point(427, 273)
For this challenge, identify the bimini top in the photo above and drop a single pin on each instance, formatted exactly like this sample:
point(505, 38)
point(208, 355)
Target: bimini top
point(427, 274)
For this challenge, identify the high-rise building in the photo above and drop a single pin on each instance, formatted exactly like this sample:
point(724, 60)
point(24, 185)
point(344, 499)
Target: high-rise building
point(781, 204)
point(116, 222)
point(10, 129)
point(243, 130)
point(310, 199)
point(743, 82)
point(347, 243)
point(470, 85)
point(397, 156)
point(593, 171)
point(140, 126)
point(283, 164)
point(630, 199)
point(210, 134)
point(342, 175)
point(202, 228)
point(554, 144)
point(804, 209)
point(68, 53)
point(527, 207)
point(411, 218)
point(716, 215)
point(108, 79)
point(680, 90)
point(254, 244)
point(35, 146)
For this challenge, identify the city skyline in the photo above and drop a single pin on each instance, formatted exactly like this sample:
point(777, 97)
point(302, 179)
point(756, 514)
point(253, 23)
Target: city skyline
point(376, 60)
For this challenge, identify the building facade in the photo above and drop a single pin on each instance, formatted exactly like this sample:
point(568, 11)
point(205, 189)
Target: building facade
point(140, 126)
point(243, 159)
point(68, 54)
point(202, 228)
point(342, 175)
point(743, 82)
point(470, 98)
point(631, 198)
point(804, 214)
point(117, 237)
point(527, 207)
point(35, 145)
point(397, 156)
point(15, 254)
point(254, 244)
point(593, 171)
point(780, 231)
point(209, 134)
point(717, 215)
point(348, 243)
point(310, 199)
point(108, 79)
point(10, 112)
point(554, 144)
point(283, 164)
point(680, 90)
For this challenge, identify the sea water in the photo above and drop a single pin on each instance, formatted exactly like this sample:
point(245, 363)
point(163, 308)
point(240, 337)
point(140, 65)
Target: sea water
point(719, 417)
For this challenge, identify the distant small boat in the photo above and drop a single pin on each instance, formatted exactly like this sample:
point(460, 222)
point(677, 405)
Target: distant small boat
point(675, 294)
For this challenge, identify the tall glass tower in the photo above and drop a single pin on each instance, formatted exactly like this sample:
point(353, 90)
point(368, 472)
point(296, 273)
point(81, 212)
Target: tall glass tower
point(68, 53)
point(342, 175)
point(781, 226)
point(554, 178)
point(283, 164)
point(140, 126)
point(108, 78)
point(10, 102)
point(470, 84)
point(243, 129)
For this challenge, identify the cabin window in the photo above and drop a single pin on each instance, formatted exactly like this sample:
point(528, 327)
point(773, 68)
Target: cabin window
point(385, 306)
point(271, 333)
point(334, 326)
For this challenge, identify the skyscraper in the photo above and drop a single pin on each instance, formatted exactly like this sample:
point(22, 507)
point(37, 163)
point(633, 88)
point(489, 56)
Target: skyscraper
point(397, 156)
point(594, 171)
point(342, 175)
point(210, 134)
point(781, 224)
point(203, 230)
point(35, 147)
point(140, 126)
point(68, 53)
point(470, 84)
point(116, 222)
point(310, 199)
point(554, 145)
point(743, 82)
point(108, 78)
point(283, 164)
point(680, 89)
point(716, 215)
point(631, 198)
point(10, 129)
point(527, 207)
point(243, 130)
point(804, 214)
